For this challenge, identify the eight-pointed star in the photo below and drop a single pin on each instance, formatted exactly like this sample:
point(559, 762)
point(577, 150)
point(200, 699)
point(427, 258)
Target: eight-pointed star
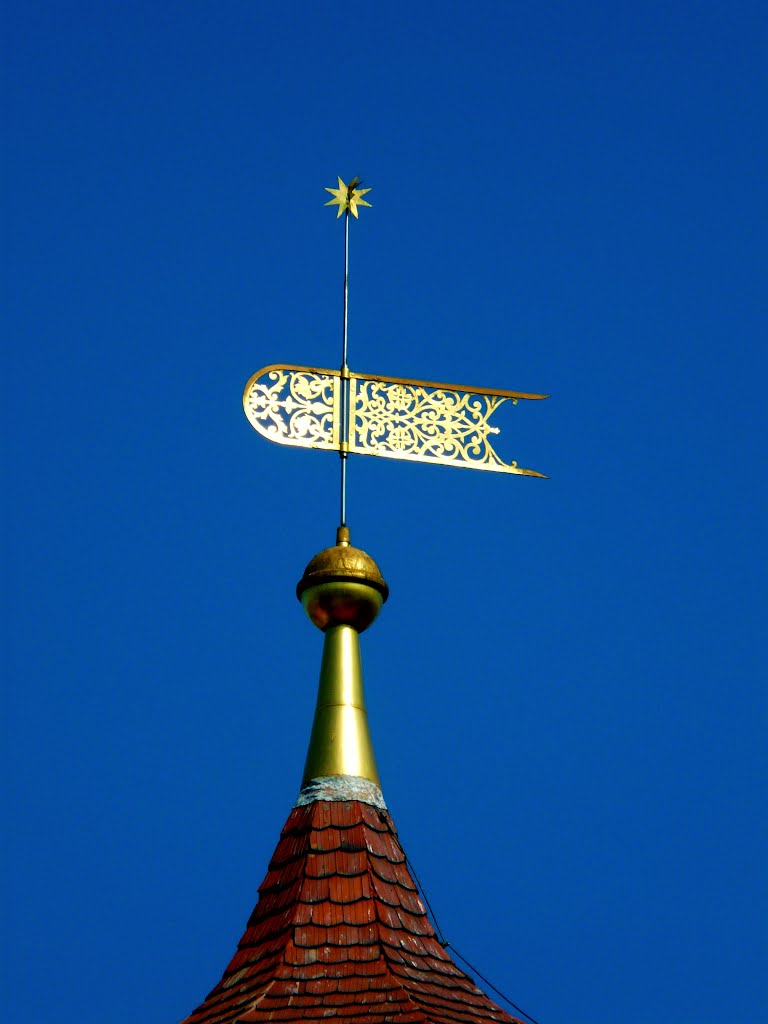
point(348, 197)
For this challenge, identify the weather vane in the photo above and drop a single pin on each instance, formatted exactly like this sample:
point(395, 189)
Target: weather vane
point(363, 414)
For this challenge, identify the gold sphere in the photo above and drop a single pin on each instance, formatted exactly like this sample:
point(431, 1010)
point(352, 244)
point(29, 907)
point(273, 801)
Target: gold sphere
point(342, 586)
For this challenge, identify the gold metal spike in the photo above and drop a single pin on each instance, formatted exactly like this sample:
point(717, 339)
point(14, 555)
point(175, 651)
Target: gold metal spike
point(340, 742)
point(342, 591)
point(393, 417)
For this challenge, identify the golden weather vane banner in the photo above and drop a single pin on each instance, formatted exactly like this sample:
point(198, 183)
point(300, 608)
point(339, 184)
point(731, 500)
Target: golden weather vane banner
point(393, 417)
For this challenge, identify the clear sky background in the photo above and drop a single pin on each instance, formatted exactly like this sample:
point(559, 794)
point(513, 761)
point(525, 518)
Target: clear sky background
point(567, 686)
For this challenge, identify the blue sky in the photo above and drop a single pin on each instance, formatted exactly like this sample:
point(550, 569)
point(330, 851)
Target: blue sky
point(567, 686)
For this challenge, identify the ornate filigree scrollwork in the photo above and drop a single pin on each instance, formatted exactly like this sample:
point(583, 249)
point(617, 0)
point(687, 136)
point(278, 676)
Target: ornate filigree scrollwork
point(297, 406)
point(418, 420)
point(427, 424)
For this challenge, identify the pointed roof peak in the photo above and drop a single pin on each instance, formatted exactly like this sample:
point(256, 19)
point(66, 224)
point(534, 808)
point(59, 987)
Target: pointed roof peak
point(340, 931)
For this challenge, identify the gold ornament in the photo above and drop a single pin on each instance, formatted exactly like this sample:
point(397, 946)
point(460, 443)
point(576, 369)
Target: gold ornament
point(348, 197)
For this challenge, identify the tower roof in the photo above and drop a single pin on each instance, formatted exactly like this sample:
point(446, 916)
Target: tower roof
point(339, 931)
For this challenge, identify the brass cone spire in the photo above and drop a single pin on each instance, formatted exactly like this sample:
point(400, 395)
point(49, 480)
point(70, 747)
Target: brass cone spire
point(342, 591)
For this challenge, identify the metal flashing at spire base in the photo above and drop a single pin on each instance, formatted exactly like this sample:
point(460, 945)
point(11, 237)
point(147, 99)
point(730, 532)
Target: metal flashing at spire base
point(341, 789)
point(342, 592)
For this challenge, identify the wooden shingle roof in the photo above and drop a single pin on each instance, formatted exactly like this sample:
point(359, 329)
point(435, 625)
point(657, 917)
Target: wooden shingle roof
point(340, 933)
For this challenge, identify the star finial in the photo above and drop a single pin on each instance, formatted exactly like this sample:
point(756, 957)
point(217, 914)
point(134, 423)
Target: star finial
point(348, 197)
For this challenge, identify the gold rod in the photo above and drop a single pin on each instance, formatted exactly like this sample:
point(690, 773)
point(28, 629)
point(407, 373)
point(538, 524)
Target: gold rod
point(345, 376)
point(346, 289)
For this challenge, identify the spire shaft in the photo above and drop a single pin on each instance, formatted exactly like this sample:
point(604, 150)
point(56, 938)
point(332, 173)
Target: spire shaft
point(342, 591)
point(340, 743)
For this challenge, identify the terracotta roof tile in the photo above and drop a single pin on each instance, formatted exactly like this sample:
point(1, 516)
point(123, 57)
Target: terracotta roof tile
point(339, 932)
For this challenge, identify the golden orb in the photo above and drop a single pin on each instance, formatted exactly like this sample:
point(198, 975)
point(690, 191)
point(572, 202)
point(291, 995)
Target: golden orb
point(342, 586)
